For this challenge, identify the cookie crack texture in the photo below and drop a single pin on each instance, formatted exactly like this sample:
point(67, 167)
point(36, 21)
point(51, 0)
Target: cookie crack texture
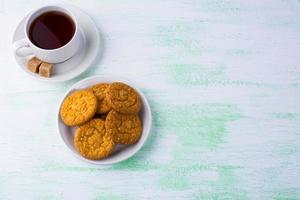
point(93, 141)
point(125, 128)
point(100, 91)
point(123, 98)
point(78, 108)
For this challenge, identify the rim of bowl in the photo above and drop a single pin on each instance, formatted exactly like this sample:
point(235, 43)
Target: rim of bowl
point(140, 142)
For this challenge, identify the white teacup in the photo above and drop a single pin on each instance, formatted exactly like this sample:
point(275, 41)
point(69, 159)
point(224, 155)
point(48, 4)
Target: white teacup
point(25, 47)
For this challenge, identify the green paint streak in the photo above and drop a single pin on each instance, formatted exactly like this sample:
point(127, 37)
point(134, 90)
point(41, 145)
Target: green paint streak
point(286, 195)
point(283, 22)
point(45, 196)
point(220, 196)
point(286, 198)
point(195, 74)
point(285, 115)
point(107, 196)
point(196, 125)
point(237, 52)
point(51, 166)
point(135, 164)
point(178, 176)
point(286, 149)
point(226, 175)
point(230, 183)
point(224, 6)
point(176, 179)
point(179, 38)
point(227, 186)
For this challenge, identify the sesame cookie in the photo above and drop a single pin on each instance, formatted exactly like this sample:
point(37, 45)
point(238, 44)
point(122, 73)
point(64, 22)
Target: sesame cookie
point(78, 108)
point(92, 141)
point(123, 98)
point(125, 128)
point(99, 91)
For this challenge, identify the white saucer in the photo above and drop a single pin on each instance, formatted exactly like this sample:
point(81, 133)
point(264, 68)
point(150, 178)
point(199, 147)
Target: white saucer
point(80, 61)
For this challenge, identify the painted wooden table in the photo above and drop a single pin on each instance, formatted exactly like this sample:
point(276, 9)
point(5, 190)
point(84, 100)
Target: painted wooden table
point(223, 81)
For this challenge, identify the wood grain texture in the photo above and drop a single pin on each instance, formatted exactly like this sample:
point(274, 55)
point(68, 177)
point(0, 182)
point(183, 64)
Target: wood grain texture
point(223, 81)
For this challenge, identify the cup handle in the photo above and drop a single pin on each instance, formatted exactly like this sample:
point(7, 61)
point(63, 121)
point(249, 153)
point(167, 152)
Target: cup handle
point(22, 48)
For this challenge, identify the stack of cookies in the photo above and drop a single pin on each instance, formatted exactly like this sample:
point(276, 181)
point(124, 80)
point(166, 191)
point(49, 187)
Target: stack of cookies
point(106, 115)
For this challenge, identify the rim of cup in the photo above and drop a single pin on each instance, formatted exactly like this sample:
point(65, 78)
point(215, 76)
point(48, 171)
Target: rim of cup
point(42, 10)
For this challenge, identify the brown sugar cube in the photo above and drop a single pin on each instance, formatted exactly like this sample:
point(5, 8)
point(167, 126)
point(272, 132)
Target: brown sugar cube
point(33, 64)
point(45, 69)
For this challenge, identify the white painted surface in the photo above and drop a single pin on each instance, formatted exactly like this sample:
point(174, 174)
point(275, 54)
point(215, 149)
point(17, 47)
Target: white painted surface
point(222, 78)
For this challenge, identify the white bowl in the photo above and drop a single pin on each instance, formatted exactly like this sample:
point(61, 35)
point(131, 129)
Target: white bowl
point(122, 152)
